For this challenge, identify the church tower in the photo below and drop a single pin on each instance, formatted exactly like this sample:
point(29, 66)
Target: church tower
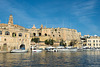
point(10, 20)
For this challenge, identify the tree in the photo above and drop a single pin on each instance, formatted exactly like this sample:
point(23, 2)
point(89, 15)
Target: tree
point(49, 42)
point(36, 40)
point(73, 42)
point(62, 43)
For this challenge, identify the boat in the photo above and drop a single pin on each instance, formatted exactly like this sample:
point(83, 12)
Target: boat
point(86, 48)
point(18, 51)
point(36, 49)
point(97, 49)
point(71, 48)
point(61, 48)
point(51, 49)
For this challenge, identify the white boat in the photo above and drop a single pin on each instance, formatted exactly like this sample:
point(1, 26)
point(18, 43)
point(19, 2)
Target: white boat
point(71, 48)
point(96, 49)
point(51, 49)
point(86, 48)
point(19, 51)
point(36, 49)
point(61, 48)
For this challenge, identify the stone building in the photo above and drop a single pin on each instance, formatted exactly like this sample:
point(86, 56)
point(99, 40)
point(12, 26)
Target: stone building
point(56, 34)
point(91, 41)
point(17, 37)
point(13, 36)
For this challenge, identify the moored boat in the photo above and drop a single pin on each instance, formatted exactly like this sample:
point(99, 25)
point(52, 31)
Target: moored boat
point(71, 48)
point(50, 49)
point(86, 48)
point(61, 48)
point(18, 51)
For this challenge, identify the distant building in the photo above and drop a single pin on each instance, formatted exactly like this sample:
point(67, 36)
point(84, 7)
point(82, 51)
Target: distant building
point(92, 41)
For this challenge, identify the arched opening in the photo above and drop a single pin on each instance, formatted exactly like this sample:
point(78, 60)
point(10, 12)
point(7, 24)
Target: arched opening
point(7, 33)
point(20, 34)
point(39, 34)
point(4, 47)
point(22, 46)
point(13, 34)
point(0, 32)
point(45, 34)
point(34, 34)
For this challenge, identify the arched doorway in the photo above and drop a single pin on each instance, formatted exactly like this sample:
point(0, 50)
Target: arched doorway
point(22, 46)
point(4, 47)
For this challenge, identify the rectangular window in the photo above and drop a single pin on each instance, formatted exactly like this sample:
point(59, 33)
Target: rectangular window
point(93, 40)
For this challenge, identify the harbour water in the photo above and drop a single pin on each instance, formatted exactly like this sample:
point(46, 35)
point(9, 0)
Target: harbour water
point(51, 59)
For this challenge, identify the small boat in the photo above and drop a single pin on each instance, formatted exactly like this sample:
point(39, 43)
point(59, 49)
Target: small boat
point(61, 48)
point(18, 51)
point(36, 50)
point(71, 48)
point(51, 49)
point(86, 48)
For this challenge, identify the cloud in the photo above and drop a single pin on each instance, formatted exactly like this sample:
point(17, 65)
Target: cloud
point(84, 10)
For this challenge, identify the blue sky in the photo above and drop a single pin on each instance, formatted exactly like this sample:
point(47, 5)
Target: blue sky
point(83, 15)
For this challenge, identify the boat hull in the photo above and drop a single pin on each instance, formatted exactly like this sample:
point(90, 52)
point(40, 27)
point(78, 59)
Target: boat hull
point(36, 50)
point(19, 51)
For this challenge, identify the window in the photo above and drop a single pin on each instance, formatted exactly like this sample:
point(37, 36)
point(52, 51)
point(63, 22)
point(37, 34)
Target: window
point(13, 34)
point(55, 29)
point(45, 34)
point(7, 33)
point(39, 34)
point(96, 40)
point(53, 35)
point(0, 32)
point(96, 44)
point(93, 40)
point(59, 35)
point(20, 34)
point(34, 34)
point(4, 39)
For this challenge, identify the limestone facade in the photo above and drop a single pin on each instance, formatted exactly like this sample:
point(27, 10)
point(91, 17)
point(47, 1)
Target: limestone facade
point(16, 37)
point(92, 41)
point(13, 36)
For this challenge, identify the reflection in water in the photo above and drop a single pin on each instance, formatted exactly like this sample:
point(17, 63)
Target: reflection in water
point(51, 59)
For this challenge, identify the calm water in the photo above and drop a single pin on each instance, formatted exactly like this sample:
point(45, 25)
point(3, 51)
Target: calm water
point(51, 59)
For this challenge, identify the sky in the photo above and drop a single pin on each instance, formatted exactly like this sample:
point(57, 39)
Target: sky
point(82, 15)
